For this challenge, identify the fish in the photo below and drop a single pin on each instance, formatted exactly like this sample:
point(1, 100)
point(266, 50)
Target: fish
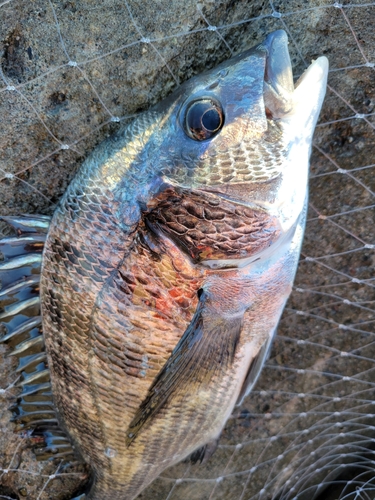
point(143, 311)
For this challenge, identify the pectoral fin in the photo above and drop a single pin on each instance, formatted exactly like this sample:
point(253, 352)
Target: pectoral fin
point(203, 454)
point(254, 370)
point(206, 349)
point(21, 323)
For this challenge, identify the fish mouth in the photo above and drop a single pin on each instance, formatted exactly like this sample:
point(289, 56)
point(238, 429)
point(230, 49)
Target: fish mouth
point(278, 84)
point(283, 99)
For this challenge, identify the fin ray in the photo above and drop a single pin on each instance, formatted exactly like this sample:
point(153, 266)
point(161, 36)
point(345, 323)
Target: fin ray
point(13, 246)
point(21, 319)
point(31, 282)
point(203, 454)
point(28, 223)
point(21, 261)
point(34, 377)
point(22, 328)
point(28, 344)
point(28, 361)
point(207, 347)
point(254, 370)
point(36, 388)
point(16, 308)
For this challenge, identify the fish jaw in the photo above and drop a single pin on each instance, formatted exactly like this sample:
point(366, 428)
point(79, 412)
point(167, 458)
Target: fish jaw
point(278, 85)
point(295, 106)
point(298, 128)
point(308, 98)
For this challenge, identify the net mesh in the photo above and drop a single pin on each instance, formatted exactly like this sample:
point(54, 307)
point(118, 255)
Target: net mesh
point(70, 72)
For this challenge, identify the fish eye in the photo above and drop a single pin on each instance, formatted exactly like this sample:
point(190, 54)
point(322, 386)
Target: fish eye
point(203, 119)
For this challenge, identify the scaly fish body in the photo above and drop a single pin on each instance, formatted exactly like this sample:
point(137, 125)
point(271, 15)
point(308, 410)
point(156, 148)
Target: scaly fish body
point(169, 260)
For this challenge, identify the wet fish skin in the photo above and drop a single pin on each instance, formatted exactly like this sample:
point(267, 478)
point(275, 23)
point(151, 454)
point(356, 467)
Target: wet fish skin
point(167, 265)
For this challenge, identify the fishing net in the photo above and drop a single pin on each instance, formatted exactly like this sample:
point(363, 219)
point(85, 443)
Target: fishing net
point(71, 73)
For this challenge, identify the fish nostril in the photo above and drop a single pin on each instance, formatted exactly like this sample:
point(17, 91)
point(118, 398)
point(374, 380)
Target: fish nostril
point(200, 293)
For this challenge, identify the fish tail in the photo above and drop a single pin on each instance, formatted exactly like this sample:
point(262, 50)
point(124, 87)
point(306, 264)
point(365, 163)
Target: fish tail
point(21, 325)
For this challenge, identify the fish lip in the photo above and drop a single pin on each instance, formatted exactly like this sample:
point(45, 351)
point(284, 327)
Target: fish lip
point(278, 85)
point(278, 71)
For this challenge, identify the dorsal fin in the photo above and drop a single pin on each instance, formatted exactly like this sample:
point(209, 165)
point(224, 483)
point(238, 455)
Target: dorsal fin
point(20, 320)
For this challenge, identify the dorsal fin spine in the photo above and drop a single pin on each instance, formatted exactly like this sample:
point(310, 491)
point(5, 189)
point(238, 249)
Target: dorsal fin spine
point(20, 318)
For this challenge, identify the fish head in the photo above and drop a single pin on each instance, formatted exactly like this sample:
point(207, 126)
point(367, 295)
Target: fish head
point(243, 131)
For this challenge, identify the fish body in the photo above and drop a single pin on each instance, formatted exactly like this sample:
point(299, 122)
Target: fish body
point(168, 262)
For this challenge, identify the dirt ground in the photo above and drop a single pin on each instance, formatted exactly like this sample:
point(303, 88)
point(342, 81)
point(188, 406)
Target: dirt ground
point(66, 83)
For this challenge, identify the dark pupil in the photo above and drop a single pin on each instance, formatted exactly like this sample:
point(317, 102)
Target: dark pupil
point(203, 119)
point(211, 120)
